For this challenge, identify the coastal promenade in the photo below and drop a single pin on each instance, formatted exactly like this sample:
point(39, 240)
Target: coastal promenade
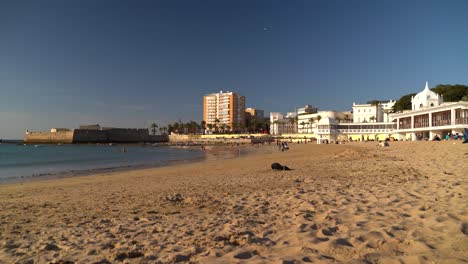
point(401, 204)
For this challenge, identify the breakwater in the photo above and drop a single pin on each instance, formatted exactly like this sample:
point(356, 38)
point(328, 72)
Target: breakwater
point(117, 135)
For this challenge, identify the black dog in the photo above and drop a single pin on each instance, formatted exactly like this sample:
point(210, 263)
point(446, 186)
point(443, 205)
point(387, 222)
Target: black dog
point(277, 166)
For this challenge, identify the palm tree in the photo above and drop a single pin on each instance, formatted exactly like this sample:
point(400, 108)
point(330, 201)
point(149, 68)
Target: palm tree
point(372, 118)
point(203, 125)
point(217, 124)
point(296, 119)
point(223, 127)
point(311, 122)
point(318, 118)
point(153, 128)
point(302, 124)
point(290, 123)
point(210, 127)
point(346, 117)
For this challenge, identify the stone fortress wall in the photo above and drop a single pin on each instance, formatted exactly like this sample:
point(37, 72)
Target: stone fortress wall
point(117, 135)
point(65, 137)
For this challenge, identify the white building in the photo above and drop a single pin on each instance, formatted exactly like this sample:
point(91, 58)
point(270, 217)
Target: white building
point(307, 109)
point(279, 124)
point(307, 123)
point(425, 99)
point(431, 117)
point(363, 113)
point(387, 108)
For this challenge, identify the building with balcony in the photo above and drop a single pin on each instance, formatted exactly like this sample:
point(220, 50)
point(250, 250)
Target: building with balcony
point(307, 123)
point(330, 130)
point(427, 122)
point(226, 107)
point(430, 116)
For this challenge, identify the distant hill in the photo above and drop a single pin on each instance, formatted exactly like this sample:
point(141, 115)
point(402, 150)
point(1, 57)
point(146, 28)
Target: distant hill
point(451, 93)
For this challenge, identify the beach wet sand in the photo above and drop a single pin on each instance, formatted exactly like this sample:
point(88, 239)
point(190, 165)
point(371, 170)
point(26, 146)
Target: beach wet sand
point(351, 203)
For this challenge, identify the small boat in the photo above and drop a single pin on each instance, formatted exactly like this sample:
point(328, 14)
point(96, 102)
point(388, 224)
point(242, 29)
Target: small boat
point(38, 146)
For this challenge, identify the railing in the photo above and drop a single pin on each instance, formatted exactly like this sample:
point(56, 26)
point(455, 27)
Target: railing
point(421, 124)
point(461, 120)
point(441, 123)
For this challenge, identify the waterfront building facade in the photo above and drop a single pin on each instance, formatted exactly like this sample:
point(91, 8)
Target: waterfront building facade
point(426, 123)
point(224, 108)
point(429, 117)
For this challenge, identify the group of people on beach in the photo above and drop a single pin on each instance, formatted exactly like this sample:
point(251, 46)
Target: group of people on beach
point(452, 136)
point(282, 145)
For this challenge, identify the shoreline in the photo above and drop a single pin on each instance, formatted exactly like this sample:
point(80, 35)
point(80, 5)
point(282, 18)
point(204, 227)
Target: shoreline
point(220, 152)
point(348, 202)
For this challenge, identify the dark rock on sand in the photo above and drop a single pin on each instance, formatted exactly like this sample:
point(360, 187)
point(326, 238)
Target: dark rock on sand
point(464, 228)
point(181, 258)
point(343, 242)
point(243, 255)
point(51, 247)
point(277, 166)
point(121, 256)
point(135, 254)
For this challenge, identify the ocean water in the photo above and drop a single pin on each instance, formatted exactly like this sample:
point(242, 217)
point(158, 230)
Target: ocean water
point(21, 162)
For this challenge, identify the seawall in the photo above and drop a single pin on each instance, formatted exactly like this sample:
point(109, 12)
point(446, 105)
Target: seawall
point(120, 135)
point(65, 137)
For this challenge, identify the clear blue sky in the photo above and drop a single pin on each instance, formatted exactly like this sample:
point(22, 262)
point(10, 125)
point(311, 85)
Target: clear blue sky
point(126, 63)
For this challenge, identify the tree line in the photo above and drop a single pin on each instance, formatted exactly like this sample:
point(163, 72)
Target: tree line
point(193, 127)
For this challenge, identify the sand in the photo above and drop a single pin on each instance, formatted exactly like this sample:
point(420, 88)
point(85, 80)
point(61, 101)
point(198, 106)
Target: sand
point(352, 203)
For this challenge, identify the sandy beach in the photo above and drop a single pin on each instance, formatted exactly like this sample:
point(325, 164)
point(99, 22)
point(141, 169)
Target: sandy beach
point(351, 203)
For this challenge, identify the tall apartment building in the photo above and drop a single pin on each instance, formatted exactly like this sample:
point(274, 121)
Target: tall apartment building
point(227, 107)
